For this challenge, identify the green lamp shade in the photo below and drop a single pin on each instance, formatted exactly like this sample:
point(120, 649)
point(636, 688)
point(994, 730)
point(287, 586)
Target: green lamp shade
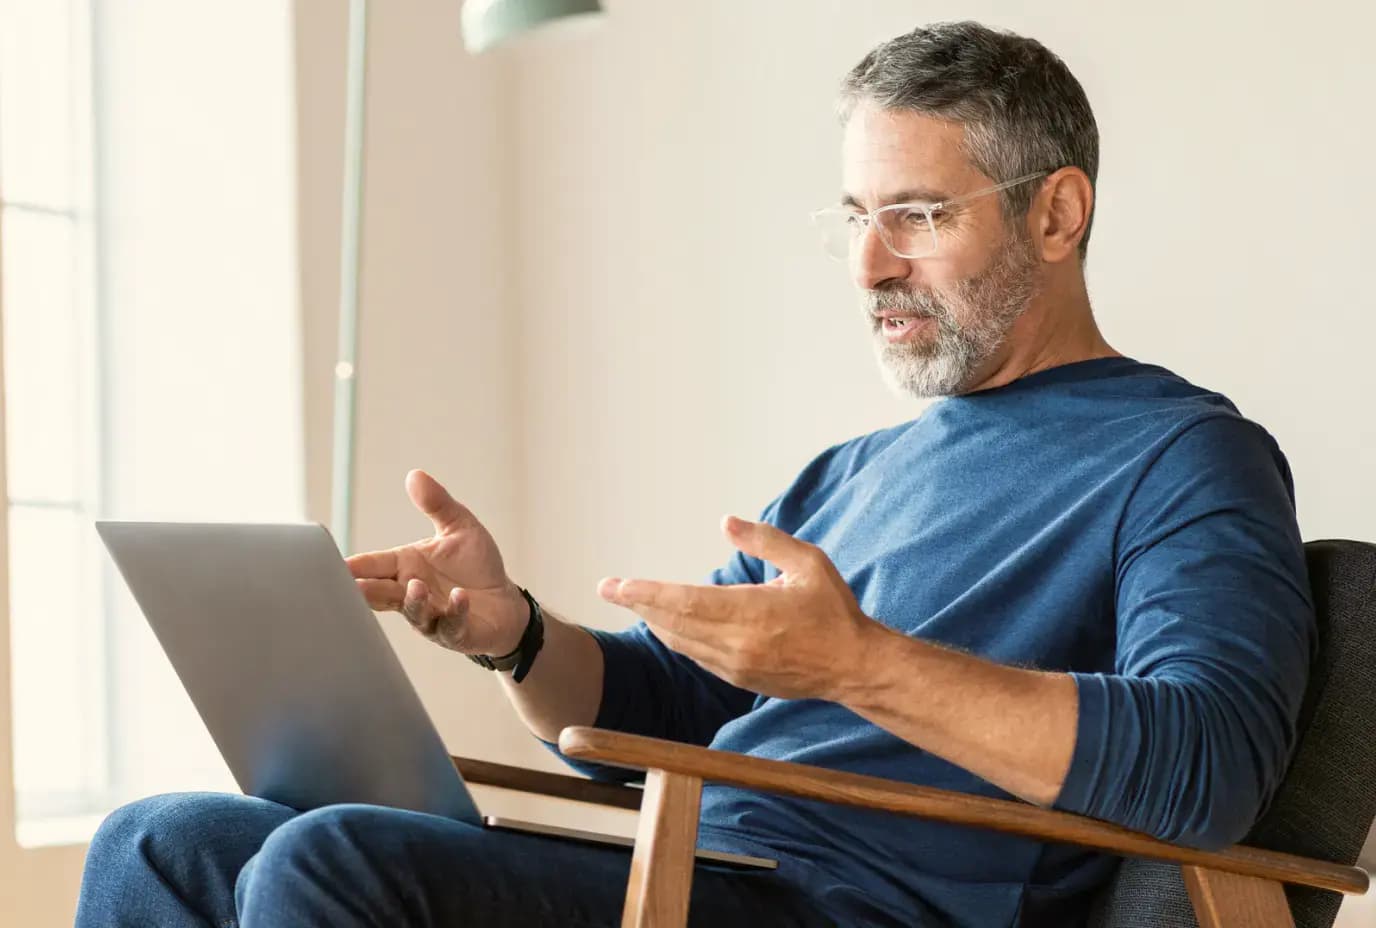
point(490, 22)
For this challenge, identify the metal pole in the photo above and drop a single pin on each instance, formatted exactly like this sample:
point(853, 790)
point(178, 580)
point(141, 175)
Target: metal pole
point(346, 369)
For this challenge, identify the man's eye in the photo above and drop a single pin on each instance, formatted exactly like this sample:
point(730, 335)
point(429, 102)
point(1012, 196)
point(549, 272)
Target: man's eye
point(856, 220)
point(914, 219)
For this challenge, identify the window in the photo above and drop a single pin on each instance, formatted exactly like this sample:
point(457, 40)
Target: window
point(151, 359)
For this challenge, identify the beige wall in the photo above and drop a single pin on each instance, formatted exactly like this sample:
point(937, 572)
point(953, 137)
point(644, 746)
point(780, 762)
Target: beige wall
point(593, 306)
point(438, 330)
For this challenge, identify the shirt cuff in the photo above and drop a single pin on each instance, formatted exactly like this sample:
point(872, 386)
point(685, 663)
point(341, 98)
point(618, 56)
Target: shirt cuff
point(1086, 771)
point(611, 712)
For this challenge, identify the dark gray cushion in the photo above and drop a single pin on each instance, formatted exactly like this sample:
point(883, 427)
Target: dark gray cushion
point(1325, 806)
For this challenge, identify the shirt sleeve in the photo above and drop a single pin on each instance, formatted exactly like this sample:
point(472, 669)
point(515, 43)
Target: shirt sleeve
point(1189, 737)
point(648, 689)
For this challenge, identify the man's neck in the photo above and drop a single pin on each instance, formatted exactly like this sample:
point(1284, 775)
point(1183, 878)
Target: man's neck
point(1057, 329)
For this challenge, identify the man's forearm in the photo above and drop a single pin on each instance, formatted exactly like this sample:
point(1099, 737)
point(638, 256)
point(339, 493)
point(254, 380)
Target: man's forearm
point(1015, 728)
point(564, 686)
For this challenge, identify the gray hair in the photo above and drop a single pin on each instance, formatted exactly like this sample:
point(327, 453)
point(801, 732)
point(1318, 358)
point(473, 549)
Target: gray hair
point(1021, 108)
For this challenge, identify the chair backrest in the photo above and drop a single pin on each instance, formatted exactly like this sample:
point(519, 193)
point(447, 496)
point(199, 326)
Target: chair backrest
point(1324, 807)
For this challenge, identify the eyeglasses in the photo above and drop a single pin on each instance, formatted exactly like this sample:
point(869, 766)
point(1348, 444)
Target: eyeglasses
point(909, 230)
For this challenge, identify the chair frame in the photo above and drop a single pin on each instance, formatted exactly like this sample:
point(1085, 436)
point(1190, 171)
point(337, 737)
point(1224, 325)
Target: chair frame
point(1237, 886)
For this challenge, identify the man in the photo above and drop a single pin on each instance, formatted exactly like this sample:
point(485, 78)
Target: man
point(1076, 579)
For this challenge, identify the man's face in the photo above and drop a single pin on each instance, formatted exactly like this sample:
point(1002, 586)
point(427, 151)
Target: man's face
point(937, 320)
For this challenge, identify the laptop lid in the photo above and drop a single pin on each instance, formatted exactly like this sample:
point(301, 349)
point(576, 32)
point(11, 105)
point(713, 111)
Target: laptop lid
point(287, 665)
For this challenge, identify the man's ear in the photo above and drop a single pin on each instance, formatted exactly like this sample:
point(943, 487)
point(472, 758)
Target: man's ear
point(1061, 213)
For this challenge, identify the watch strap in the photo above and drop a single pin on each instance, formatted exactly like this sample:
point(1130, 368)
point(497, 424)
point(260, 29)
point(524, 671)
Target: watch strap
point(519, 661)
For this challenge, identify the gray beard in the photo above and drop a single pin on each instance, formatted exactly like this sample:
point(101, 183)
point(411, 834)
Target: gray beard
point(972, 322)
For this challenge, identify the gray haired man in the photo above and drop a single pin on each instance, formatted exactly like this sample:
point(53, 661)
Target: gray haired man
point(1076, 579)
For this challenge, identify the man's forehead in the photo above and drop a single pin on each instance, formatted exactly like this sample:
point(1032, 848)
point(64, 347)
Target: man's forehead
point(888, 155)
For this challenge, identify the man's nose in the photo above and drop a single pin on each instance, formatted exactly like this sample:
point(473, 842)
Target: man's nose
point(872, 263)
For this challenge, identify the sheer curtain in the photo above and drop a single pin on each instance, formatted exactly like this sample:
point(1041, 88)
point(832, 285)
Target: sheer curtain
point(151, 359)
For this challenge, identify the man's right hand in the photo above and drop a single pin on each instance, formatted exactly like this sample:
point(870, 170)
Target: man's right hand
point(452, 587)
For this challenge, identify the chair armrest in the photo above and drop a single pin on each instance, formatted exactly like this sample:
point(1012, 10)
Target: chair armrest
point(865, 792)
point(579, 789)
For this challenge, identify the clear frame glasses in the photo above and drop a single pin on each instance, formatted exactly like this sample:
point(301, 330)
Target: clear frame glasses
point(909, 230)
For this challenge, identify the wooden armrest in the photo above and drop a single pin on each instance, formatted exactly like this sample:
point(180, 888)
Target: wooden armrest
point(579, 789)
point(1019, 818)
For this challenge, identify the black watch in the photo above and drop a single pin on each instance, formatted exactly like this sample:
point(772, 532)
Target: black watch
point(532, 639)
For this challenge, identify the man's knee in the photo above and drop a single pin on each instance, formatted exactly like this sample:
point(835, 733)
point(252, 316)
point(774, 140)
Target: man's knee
point(318, 869)
point(339, 837)
point(349, 858)
point(149, 825)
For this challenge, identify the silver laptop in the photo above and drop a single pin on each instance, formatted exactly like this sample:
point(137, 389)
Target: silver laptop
point(290, 670)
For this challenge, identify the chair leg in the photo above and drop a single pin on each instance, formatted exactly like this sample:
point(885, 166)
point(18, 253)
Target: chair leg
point(665, 841)
point(1229, 900)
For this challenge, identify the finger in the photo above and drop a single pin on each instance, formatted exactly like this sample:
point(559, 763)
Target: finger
point(382, 594)
point(445, 513)
point(607, 588)
point(417, 609)
point(708, 652)
point(703, 653)
point(769, 543)
point(375, 565)
point(705, 601)
point(452, 628)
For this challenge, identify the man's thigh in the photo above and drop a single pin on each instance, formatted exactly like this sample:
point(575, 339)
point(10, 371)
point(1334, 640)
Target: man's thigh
point(361, 865)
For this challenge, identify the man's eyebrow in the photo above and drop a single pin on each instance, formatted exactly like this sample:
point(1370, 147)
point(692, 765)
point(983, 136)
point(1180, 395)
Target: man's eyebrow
point(912, 194)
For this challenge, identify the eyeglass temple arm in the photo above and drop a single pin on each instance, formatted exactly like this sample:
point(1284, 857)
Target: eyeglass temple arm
point(988, 190)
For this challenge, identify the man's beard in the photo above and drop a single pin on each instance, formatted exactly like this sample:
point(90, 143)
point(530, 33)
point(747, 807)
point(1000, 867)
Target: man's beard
point(972, 320)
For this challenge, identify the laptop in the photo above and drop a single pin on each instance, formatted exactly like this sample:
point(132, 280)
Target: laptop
point(293, 676)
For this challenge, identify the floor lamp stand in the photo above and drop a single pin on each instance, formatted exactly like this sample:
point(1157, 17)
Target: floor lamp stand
point(346, 366)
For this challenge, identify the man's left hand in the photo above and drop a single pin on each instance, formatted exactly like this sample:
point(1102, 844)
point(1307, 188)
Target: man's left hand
point(802, 635)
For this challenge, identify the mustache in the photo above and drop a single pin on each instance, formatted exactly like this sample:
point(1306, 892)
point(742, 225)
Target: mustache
point(905, 300)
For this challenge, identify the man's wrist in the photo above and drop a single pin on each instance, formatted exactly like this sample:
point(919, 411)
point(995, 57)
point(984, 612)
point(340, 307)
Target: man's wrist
point(519, 660)
point(862, 667)
point(523, 612)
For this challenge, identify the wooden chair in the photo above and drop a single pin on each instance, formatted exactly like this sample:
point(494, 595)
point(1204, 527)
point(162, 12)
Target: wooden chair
point(1290, 873)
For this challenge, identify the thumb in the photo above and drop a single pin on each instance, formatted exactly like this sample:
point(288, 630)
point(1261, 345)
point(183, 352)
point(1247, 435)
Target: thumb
point(445, 513)
point(768, 543)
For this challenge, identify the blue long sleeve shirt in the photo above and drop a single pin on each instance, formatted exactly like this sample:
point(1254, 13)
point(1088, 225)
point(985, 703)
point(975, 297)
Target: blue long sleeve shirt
point(1105, 518)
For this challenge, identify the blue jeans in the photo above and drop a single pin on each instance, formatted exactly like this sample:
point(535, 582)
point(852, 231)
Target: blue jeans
point(212, 860)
